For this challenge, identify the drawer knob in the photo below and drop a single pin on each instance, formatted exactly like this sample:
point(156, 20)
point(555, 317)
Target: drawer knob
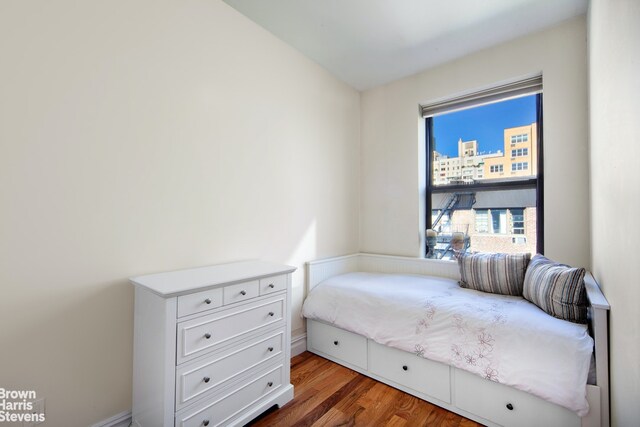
point(207, 301)
point(243, 292)
point(271, 313)
point(405, 368)
point(335, 343)
point(510, 406)
point(205, 423)
point(207, 335)
point(271, 285)
point(270, 384)
point(206, 379)
point(270, 348)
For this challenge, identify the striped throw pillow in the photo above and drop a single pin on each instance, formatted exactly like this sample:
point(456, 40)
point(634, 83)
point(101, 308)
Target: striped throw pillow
point(557, 289)
point(494, 273)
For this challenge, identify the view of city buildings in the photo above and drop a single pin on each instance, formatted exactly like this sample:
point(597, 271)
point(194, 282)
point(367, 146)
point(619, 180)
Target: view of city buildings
point(495, 220)
point(518, 159)
point(508, 230)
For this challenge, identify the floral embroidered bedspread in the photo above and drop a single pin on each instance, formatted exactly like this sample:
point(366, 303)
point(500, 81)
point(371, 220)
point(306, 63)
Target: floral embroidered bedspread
point(504, 339)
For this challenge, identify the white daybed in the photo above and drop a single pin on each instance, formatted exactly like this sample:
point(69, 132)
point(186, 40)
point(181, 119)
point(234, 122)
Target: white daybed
point(454, 389)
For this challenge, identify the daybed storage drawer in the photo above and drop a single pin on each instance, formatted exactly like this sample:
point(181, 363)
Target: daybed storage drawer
point(220, 410)
point(507, 406)
point(426, 376)
point(198, 336)
point(203, 375)
point(200, 301)
point(338, 343)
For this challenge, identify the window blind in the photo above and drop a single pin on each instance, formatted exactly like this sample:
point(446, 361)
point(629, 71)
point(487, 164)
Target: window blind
point(528, 86)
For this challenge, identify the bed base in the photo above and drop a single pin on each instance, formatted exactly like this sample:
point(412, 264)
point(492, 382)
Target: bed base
point(468, 395)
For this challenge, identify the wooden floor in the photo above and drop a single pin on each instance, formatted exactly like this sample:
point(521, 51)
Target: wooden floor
point(328, 394)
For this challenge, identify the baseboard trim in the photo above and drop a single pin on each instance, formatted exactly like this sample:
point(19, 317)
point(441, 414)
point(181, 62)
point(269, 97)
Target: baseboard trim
point(123, 419)
point(298, 344)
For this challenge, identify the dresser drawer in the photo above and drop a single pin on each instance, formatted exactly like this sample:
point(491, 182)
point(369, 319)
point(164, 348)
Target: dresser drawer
point(240, 292)
point(199, 302)
point(223, 408)
point(423, 375)
point(273, 284)
point(198, 377)
point(338, 343)
point(199, 336)
point(507, 406)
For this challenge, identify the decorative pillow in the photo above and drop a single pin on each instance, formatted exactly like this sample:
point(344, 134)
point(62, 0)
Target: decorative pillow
point(495, 273)
point(557, 289)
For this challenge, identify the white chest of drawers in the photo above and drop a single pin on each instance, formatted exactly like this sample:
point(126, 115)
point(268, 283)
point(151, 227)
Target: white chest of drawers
point(212, 345)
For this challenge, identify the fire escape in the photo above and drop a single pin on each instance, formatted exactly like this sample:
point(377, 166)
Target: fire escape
point(457, 201)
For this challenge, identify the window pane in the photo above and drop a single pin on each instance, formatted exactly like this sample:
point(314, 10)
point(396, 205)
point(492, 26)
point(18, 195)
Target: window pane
point(498, 229)
point(491, 144)
point(498, 220)
point(517, 221)
point(482, 221)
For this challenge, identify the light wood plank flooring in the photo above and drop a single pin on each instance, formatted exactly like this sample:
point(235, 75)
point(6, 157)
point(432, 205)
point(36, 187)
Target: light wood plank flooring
point(328, 394)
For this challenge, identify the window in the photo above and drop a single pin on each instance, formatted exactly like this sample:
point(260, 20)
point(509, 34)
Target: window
point(499, 221)
point(517, 221)
point(482, 220)
point(519, 166)
point(520, 152)
point(477, 131)
point(519, 138)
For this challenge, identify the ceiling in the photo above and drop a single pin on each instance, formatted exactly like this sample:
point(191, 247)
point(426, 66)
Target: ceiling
point(367, 43)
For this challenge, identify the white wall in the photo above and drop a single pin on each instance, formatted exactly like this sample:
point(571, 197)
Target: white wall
point(614, 91)
point(141, 136)
point(146, 136)
point(392, 146)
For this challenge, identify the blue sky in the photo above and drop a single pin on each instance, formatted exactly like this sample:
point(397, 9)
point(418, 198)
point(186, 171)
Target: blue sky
point(485, 124)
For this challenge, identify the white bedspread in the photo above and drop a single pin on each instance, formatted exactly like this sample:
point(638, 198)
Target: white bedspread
point(502, 338)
